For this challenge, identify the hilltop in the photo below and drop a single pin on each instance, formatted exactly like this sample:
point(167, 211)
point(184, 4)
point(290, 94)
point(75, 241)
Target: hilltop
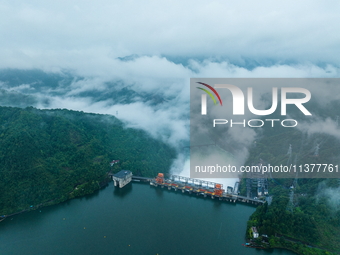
point(49, 156)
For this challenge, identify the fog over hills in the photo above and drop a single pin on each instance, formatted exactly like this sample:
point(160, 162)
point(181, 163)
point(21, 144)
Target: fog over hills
point(135, 63)
point(158, 105)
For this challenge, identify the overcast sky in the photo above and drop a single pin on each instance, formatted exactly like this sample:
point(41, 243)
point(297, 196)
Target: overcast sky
point(168, 42)
point(78, 33)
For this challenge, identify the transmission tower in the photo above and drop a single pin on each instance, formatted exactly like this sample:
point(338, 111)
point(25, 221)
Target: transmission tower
point(289, 153)
point(316, 152)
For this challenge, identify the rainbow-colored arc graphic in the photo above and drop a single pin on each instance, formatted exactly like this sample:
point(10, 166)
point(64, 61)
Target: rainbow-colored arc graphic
point(210, 94)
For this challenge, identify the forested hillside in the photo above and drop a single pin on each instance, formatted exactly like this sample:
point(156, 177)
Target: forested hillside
point(304, 215)
point(48, 156)
point(308, 224)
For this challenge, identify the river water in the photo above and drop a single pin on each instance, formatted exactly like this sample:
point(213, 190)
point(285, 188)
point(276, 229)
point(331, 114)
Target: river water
point(137, 219)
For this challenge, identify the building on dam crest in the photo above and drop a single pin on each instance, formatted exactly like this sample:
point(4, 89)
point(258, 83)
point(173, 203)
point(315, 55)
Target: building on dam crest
point(122, 178)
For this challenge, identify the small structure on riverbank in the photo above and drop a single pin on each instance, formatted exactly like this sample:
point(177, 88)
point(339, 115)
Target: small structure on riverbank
point(255, 233)
point(114, 162)
point(122, 178)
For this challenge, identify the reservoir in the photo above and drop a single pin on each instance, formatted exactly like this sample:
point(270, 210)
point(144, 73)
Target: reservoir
point(138, 219)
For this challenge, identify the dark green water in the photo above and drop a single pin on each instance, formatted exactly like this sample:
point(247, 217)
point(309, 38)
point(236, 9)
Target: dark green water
point(138, 219)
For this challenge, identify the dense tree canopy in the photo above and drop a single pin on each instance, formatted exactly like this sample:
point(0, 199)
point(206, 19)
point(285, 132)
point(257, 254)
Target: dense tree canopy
point(54, 155)
point(304, 215)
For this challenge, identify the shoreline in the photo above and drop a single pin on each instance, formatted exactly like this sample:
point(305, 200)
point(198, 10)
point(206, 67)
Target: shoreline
point(104, 184)
point(55, 201)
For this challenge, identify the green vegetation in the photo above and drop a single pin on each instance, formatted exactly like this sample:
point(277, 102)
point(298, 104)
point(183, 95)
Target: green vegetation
point(304, 216)
point(48, 156)
point(311, 223)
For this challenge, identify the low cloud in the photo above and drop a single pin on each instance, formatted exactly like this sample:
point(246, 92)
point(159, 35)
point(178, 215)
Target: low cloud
point(157, 95)
point(321, 126)
point(330, 195)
